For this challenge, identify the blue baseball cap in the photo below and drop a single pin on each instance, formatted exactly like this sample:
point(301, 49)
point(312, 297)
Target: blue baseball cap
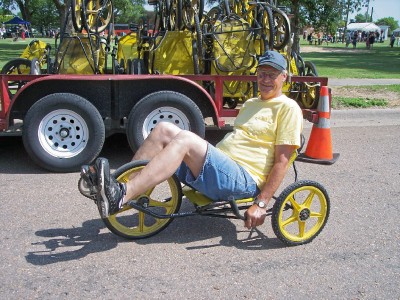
point(273, 59)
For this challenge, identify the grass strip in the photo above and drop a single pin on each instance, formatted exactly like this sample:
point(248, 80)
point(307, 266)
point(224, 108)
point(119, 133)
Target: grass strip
point(340, 102)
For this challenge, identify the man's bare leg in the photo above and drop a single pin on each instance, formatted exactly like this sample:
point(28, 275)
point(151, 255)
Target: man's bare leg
point(166, 155)
point(157, 140)
point(166, 158)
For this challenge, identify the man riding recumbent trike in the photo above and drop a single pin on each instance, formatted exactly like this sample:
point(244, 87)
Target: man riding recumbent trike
point(243, 171)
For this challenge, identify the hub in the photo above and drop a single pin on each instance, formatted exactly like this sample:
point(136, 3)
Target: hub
point(304, 214)
point(64, 132)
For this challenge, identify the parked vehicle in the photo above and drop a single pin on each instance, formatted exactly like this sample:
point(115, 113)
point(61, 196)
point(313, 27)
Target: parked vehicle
point(171, 70)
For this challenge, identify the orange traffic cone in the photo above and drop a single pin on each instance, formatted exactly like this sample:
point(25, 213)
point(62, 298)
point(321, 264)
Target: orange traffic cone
point(319, 147)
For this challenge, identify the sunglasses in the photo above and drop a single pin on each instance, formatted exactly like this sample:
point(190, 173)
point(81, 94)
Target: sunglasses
point(266, 74)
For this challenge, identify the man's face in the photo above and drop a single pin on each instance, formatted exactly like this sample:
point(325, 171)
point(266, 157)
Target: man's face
point(270, 82)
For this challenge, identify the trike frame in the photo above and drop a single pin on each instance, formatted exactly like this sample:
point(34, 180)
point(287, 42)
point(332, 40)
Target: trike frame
point(298, 215)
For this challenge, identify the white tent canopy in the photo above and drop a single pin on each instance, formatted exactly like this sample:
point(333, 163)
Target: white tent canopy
point(367, 27)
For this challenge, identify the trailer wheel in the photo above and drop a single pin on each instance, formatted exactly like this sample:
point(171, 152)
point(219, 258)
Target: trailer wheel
point(163, 106)
point(62, 132)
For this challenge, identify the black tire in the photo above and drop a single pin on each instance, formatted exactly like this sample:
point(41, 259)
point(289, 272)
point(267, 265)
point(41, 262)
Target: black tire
point(266, 21)
point(176, 15)
point(231, 102)
point(164, 15)
point(299, 63)
point(163, 106)
point(214, 14)
point(188, 13)
point(62, 132)
point(195, 56)
point(281, 29)
point(300, 212)
point(18, 66)
point(96, 19)
point(311, 90)
point(77, 14)
point(164, 198)
point(199, 42)
point(310, 69)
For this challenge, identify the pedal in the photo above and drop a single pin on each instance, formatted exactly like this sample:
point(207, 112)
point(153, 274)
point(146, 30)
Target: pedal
point(87, 184)
point(88, 174)
point(89, 191)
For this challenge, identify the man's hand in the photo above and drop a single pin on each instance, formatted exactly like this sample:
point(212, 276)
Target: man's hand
point(255, 216)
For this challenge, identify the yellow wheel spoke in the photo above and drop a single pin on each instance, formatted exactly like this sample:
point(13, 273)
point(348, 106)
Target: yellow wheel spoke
point(295, 205)
point(141, 221)
point(309, 200)
point(289, 220)
point(302, 227)
point(315, 214)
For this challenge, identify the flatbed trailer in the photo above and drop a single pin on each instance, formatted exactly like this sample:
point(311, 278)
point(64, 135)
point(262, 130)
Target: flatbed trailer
point(64, 119)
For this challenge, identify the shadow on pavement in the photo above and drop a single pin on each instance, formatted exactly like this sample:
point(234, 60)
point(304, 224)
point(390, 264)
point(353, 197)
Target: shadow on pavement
point(65, 244)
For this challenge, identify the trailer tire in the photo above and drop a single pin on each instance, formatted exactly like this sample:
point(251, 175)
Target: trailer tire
point(163, 106)
point(65, 148)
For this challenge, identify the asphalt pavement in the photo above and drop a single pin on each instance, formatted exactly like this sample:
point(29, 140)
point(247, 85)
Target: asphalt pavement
point(54, 246)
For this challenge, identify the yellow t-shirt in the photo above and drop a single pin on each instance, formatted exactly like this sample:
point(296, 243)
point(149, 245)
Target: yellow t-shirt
point(259, 126)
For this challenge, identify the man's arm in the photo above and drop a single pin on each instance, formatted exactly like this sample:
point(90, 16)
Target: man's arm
point(255, 215)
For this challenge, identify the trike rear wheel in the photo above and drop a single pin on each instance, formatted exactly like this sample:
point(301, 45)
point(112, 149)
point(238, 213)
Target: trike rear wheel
point(300, 212)
point(164, 198)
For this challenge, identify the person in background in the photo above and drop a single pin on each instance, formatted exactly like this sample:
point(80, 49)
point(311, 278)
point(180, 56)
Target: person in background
point(392, 39)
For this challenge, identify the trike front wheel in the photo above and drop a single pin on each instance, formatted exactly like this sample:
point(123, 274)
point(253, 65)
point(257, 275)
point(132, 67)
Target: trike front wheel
point(164, 198)
point(300, 212)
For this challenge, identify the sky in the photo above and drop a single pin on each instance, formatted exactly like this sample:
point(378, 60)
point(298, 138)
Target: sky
point(382, 9)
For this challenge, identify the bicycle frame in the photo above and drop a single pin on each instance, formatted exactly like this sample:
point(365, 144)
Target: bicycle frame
point(204, 206)
point(213, 209)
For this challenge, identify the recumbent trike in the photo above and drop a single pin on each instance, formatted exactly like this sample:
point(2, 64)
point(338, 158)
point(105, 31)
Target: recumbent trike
point(298, 215)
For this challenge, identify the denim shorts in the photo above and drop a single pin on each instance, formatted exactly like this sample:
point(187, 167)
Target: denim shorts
point(221, 178)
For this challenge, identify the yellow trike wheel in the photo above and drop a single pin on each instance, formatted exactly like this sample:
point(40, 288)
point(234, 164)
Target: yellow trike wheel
point(164, 198)
point(300, 212)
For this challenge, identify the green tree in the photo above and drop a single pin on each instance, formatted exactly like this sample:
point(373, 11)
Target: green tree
point(44, 14)
point(360, 18)
point(321, 15)
point(389, 21)
point(351, 6)
point(127, 11)
point(33, 10)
